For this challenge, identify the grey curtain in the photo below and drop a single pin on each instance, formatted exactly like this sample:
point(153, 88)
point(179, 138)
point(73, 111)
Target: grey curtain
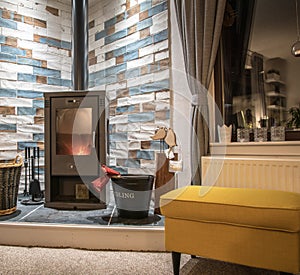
point(200, 24)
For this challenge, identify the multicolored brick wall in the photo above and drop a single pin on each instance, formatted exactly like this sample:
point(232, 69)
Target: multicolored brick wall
point(129, 58)
point(35, 57)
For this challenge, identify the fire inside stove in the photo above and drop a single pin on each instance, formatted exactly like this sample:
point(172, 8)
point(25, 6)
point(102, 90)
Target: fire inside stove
point(74, 135)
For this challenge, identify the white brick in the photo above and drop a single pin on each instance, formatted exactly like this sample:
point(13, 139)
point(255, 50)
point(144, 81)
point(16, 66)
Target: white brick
point(123, 101)
point(118, 119)
point(40, 31)
point(127, 23)
point(122, 146)
point(31, 128)
point(16, 136)
point(121, 154)
point(142, 98)
point(134, 127)
point(160, 22)
point(148, 127)
point(17, 34)
point(140, 80)
point(9, 6)
point(31, 13)
point(10, 67)
point(134, 145)
point(8, 84)
point(24, 27)
point(162, 95)
point(26, 119)
point(138, 136)
point(165, 74)
point(148, 164)
point(122, 128)
point(8, 145)
point(116, 86)
point(162, 105)
point(10, 119)
point(153, 48)
point(8, 75)
point(8, 155)
point(106, 64)
point(161, 55)
point(16, 102)
point(140, 62)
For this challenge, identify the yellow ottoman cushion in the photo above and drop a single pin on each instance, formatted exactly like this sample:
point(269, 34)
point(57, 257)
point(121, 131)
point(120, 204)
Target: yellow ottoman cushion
point(266, 209)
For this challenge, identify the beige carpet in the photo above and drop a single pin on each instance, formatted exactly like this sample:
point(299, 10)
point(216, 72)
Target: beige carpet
point(40, 261)
point(211, 267)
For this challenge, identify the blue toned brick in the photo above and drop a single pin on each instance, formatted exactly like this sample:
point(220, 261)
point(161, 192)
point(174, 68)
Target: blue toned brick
point(116, 36)
point(2, 39)
point(22, 145)
point(119, 51)
point(146, 5)
point(106, 80)
point(110, 22)
point(7, 57)
point(38, 137)
point(121, 170)
point(113, 145)
point(139, 44)
point(141, 117)
point(163, 35)
point(43, 40)
point(66, 82)
point(125, 109)
point(100, 35)
point(132, 73)
point(12, 50)
point(158, 9)
point(118, 137)
point(26, 77)
point(8, 93)
point(131, 56)
point(26, 111)
point(54, 81)
point(92, 83)
point(157, 145)
point(149, 155)
point(8, 127)
point(144, 24)
point(38, 104)
point(47, 72)
point(95, 75)
point(132, 163)
point(155, 86)
point(54, 42)
point(6, 23)
point(66, 45)
point(134, 91)
point(28, 61)
point(29, 94)
point(115, 69)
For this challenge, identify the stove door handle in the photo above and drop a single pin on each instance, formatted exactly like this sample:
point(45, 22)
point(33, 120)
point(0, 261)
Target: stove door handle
point(94, 139)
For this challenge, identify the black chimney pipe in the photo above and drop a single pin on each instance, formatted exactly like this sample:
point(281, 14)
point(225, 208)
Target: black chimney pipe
point(80, 44)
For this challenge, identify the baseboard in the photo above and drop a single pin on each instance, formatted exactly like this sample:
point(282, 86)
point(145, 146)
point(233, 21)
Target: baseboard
point(83, 236)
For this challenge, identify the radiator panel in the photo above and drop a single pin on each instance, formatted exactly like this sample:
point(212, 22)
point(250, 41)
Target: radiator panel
point(276, 174)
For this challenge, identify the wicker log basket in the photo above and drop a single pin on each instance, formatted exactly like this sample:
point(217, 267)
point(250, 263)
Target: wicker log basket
point(10, 173)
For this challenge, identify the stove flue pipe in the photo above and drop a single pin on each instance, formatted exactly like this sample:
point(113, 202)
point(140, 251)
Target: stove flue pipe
point(80, 44)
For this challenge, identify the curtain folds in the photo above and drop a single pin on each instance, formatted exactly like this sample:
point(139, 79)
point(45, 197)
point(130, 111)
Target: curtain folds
point(200, 24)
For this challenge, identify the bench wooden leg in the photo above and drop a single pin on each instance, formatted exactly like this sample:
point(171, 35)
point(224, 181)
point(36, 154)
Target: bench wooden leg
point(176, 262)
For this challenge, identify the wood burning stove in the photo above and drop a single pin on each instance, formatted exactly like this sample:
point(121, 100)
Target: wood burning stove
point(75, 145)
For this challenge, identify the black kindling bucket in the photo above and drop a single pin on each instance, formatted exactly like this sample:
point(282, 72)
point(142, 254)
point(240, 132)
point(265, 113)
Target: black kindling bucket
point(132, 195)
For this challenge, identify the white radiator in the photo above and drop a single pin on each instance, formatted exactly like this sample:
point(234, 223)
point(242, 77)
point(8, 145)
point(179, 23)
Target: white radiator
point(276, 174)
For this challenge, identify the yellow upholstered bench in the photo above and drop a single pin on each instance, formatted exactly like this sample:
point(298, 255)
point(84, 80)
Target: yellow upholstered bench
point(252, 227)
